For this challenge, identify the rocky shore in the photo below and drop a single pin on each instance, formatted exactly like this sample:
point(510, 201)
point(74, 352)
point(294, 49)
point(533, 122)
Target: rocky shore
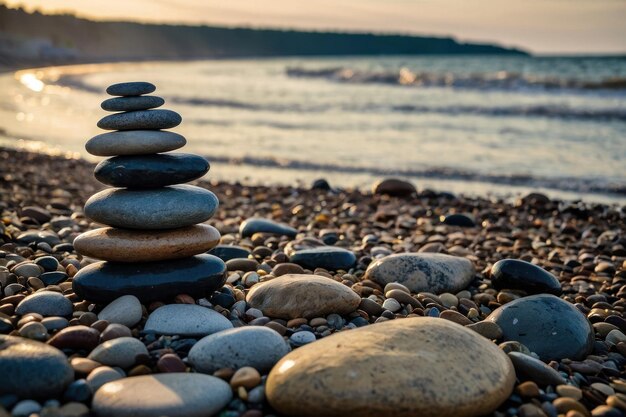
point(396, 302)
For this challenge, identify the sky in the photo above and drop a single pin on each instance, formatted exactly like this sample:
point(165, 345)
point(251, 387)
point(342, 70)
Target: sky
point(540, 26)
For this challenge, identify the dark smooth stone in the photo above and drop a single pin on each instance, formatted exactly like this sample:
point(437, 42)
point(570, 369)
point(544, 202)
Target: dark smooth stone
point(133, 88)
point(161, 208)
point(547, 325)
point(32, 369)
point(76, 337)
point(132, 103)
point(134, 142)
point(533, 369)
point(521, 275)
point(48, 263)
point(458, 219)
point(35, 236)
point(78, 391)
point(140, 119)
point(223, 300)
point(6, 326)
point(63, 247)
point(320, 184)
point(53, 278)
point(329, 258)
point(394, 187)
point(228, 252)
point(151, 171)
point(258, 225)
point(103, 282)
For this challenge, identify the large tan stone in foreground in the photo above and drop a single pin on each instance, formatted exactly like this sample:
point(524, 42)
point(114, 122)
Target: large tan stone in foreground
point(122, 245)
point(416, 367)
point(297, 295)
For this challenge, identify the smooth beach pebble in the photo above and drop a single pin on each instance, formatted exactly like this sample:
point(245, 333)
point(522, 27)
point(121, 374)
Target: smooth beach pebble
point(369, 366)
point(134, 142)
point(520, 275)
point(122, 245)
point(458, 219)
point(103, 282)
point(122, 352)
point(132, 88)
point(394, 187)
point(530, 368)
point(170, 394)
point(327, 257)
point(151, 171)
point(76, 337)
point(228, 252)
point(162, 208)
point(255, 346)
point(420, 272)
point(187, 320)
point(46, 303)
point(102, 375)
point(292, 296)
point(258, 225)
point(132, 103)
point(32, 369)
point(547, 325)
point(124, 310)
point(246, 377)
point(140, 119)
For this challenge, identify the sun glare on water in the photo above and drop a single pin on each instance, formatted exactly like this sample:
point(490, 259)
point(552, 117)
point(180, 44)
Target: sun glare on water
point(31, 81)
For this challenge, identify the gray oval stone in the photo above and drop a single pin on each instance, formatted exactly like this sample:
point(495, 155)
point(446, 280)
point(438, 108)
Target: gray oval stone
point(255, 346)
point(125, 310)
point(46, 303)
point(132, 103)
point(133, 88)
point(530, 368)
point(140, 119)
point(547, 325)
point(32, 369)
point(122, 352)
point(258, 225)
point(134, 142)
point(186, 320)
point(423, 272)
point(171, 394)
point(161, 208)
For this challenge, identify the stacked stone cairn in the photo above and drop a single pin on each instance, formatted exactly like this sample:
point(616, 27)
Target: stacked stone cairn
point(154, 247)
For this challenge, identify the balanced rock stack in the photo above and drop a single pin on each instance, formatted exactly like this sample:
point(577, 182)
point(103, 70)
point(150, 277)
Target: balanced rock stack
point(151, 249)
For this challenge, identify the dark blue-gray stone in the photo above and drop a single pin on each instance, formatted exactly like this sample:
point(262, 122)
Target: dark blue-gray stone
point(228, 252)
point(151, 171)
point(327, 257)
point(132, 103)
point(140, 119)
point(457, 219)
point(516, 274)
point(160, 208)
point(549, 326)
point(53, 278)
point(134, 142)
point(103, 282)
point(133, 88)
point(46, 303)
point(258, 225)
point(32, 369)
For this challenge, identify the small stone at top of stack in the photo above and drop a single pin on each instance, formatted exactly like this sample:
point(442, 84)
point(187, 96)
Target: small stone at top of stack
point(151, 248)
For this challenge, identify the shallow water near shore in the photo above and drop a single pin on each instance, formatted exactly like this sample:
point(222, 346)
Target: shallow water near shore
point(477, 125)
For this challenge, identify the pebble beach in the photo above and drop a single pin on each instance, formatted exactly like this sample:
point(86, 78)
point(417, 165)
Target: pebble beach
point(402, 301)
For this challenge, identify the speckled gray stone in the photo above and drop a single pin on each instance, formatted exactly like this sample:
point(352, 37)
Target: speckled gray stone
point(122, 352)
point(134, 142)
point(255, 346)
point(429, 272)
point(31, 369)
point(140, 119)
point(171, 394)
point(547, 325)
point(132, 88)
point(162, 208)
point(132, 103)
point(46, 303)
point(186, 320)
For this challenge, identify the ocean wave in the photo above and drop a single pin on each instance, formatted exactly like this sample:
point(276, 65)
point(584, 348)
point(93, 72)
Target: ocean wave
point(500, 80)
point(571, 184)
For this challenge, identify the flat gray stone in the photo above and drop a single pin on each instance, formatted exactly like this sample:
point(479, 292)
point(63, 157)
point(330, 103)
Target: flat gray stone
point(171, 394)
point(186, 320)
point(46, 303)
point(161, 208)
point(527, 367)
point(255, 346)
point(258, 225)
point(133, 88)
point(31, 369)
point(122, 352)
point(134, 142)
point(140, 119)
point(125, 310)
point(423, 272)
point(132, 103)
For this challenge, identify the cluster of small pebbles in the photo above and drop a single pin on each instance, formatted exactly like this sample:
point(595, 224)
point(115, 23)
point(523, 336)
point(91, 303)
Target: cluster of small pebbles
point(336, 302)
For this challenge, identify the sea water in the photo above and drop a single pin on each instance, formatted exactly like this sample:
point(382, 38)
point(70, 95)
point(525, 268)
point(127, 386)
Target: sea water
point(476, 125)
